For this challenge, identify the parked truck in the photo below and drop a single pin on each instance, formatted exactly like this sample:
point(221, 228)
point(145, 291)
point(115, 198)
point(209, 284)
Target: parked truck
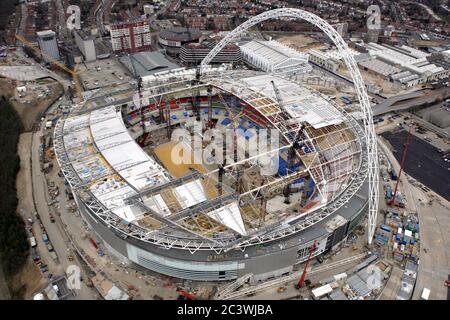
point(425, 294)
point(45, 238)
point(49, 246)
point(388, 193)
point(54, 256)
point(393, 174)
point(33, 242)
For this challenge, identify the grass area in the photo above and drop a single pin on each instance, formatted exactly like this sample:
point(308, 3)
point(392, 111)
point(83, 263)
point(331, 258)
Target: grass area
point(14, 246)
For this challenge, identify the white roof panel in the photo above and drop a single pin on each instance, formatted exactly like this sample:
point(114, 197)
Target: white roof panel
point(229, 216)
point(122, 152)
point(157, 204)
point(301, 103)
point(190, 193)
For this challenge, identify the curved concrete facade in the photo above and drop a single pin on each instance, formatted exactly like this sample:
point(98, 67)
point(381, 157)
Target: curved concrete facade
point(264, 262)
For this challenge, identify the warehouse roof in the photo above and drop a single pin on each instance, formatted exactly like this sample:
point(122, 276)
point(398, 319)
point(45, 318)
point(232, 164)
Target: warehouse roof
point(180, 34)
point(273, 51)
point(147, 63)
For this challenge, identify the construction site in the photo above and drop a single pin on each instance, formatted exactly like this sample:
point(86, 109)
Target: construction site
point(255, 214)
point(222, 183)
point(190, 178)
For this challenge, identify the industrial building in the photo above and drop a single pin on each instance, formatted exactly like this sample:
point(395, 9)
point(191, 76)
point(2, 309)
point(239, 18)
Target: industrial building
point(322, 59)
point(85, 44)
point(47, 44)
point(402, 64)
point(194, 53)
point(275, 57)
point(147, 63)
point(329, 59)
point(131, 36)
point(172, 39)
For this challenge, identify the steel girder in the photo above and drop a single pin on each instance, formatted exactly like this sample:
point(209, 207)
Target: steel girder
point(369, 130)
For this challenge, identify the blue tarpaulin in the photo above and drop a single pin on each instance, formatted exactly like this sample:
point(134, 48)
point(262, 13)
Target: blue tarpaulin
point(299, 180)
point(242, 128)
point(306, 149)
point(311, 188)
point(282, 167)
point(225, 122)
point(248, 134)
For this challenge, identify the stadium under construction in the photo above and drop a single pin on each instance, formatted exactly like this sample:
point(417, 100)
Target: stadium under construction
point(210, 221)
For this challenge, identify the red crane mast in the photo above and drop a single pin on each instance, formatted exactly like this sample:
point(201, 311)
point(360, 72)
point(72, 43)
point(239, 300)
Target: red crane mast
point(405, 151)
point(302, 278)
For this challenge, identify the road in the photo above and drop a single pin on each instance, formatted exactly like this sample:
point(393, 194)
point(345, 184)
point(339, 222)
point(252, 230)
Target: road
point(55, 231)
point(412, 99)
point(432, 127)
point(99, 14)
point(61, 20)
point(269, 287)
point(393, 285)
point(23, 19)
point(434, 221)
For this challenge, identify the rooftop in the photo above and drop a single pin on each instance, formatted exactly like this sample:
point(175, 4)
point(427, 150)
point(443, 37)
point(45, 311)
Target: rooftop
point(180, 34)
point(147, 63)
point(111, 168)
point(274, 51)
point(45, 33)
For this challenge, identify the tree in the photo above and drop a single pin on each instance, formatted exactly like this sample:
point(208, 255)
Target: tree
point(14, 245)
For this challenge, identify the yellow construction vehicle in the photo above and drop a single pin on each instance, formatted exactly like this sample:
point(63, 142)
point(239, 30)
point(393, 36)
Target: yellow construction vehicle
point(281, 289)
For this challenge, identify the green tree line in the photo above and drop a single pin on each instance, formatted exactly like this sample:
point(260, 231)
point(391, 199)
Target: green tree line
point(14, 246)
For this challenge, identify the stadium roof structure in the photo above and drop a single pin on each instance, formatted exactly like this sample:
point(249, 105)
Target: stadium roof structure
point(128, 188)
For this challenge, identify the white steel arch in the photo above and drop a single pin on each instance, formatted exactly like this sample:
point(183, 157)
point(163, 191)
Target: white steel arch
point(360, 88)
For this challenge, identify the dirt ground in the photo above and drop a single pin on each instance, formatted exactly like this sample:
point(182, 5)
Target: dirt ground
point(164, 151)
point(388, 88)
point(29, 111)
point(299, 41)
point(29, 279)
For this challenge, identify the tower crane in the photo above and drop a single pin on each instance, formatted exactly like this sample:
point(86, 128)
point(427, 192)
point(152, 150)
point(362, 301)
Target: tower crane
point(139, 88)
point(210, 122)
point(234, 139)
point(297, 143)
point(405, 151)
point(73, 72)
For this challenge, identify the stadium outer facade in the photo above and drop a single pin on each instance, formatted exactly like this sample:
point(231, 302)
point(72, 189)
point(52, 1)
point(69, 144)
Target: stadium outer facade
point(98, 139)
